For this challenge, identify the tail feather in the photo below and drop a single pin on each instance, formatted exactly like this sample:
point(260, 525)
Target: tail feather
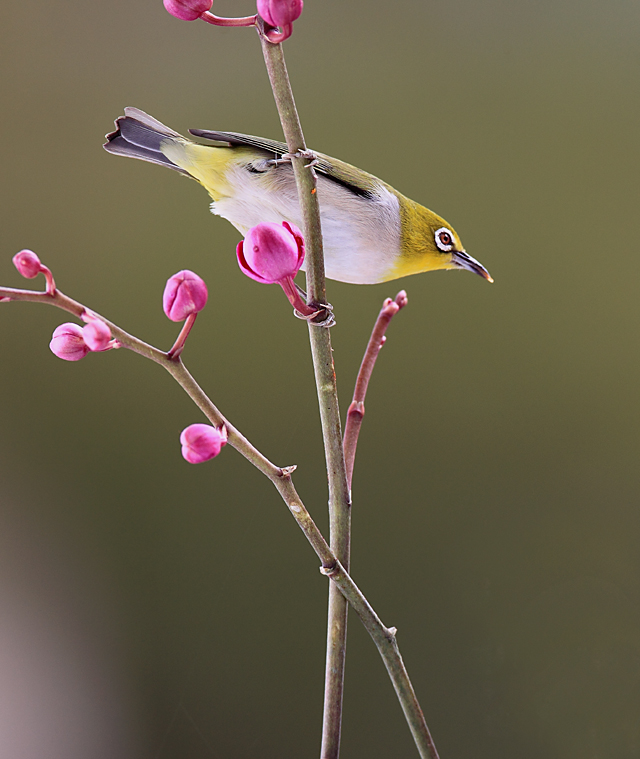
point(137, 115)
point(138, 135)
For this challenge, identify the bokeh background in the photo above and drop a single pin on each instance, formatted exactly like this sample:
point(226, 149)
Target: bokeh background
point(156, 610)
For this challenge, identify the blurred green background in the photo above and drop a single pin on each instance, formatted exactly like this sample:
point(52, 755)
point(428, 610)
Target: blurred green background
point(156, 610)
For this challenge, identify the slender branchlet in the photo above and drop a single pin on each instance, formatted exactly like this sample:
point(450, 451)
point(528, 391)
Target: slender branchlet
point(355, 414)
point(383, 637)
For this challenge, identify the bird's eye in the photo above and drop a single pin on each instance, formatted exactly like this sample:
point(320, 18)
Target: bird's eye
point(444, 239)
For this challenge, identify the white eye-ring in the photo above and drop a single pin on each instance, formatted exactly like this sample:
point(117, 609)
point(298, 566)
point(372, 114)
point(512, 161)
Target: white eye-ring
point(444, 239)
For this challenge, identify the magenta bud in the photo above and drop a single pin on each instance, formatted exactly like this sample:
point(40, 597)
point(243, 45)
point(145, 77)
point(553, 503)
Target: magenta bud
point(280, 12)
point(68, 343)
point(96, 335)
point(201, 442)
point(185, 293)
point(27, 263)
point(271, 252)
point(187, 10)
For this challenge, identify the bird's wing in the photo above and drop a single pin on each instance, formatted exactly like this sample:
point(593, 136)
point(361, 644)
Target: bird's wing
point(358, 182)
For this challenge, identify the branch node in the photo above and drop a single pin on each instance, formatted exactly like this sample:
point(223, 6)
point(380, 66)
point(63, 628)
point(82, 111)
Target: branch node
point(392, 631)
point(330, 571)
point(356, 409)
point(286, 471)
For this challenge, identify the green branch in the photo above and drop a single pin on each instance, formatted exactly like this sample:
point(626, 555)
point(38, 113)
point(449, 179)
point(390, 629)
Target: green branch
point(322, 354)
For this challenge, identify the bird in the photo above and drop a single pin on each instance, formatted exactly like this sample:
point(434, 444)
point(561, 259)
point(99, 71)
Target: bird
point(371, 232)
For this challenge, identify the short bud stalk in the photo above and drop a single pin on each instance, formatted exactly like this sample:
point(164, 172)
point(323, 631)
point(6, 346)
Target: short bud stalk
point(178, 346)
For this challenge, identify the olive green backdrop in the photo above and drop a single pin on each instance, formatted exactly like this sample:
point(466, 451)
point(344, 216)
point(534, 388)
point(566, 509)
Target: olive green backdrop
point(150, 609)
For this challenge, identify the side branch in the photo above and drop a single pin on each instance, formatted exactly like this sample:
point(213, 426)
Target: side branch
point(383, 637)
point(173, 365)
point(355, 413)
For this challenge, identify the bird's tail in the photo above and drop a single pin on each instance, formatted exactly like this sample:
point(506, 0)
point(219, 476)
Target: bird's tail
point(139, 135)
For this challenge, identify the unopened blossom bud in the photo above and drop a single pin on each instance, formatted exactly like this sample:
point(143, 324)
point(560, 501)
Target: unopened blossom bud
point(185, 294)
point(27, 263)
point(201, 442)
point(96, 335)
point(271, 252)
point(68, 342)
point(187, 10)
point(280, 12)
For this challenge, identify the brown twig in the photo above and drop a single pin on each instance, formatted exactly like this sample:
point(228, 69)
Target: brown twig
point(355, 414)
point(383, 637)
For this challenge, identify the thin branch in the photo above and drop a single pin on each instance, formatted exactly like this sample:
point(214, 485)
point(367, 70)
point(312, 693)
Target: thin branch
point(301, 160)
point(322, 354)
point(383, 637)
point(355, 413)
point(210, 18)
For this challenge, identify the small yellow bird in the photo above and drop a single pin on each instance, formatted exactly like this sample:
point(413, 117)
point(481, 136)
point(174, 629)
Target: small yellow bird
point(371, 232)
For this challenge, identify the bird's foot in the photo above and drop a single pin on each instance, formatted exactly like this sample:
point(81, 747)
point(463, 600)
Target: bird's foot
point(287, 158)
point(321, 317)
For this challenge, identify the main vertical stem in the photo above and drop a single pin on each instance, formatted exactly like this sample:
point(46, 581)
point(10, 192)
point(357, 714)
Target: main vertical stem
point(339, 495)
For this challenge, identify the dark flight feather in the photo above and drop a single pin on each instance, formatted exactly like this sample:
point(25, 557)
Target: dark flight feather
point(339, 172)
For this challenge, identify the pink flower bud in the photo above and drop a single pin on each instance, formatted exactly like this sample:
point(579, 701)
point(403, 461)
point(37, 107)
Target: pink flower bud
point(68, 343)
point(27, 263)
point(280, 12)
point(185, 293)
point(201, 442)
point(271, 252)
point(187, 10)
point(96, 335)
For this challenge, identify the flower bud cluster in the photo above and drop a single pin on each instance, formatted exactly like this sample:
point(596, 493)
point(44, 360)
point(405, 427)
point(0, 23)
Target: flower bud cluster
point(275, 13)
point(270, 253)
point(72, 342)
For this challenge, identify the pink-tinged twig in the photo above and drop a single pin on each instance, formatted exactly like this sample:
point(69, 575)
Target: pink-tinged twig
point(355, 414)
point(210, 18)
point(177, 348)
point(270, 32)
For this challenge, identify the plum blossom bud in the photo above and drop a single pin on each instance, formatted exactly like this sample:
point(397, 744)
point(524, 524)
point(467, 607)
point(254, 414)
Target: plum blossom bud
point(201, 442)
point(27, 263)
point(187, 10)
point(271, 252)
point(280, 12)
point(96, 335)
point(185, 294)
point(68, 343)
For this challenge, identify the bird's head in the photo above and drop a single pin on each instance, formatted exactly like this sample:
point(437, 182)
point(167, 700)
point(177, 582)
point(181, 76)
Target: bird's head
point(428, 242)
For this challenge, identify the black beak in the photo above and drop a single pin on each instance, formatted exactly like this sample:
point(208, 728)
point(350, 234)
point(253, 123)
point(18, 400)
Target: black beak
point(464, 261)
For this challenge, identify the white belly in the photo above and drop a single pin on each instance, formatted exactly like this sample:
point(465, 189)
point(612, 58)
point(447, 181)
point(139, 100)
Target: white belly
point(361, 235)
